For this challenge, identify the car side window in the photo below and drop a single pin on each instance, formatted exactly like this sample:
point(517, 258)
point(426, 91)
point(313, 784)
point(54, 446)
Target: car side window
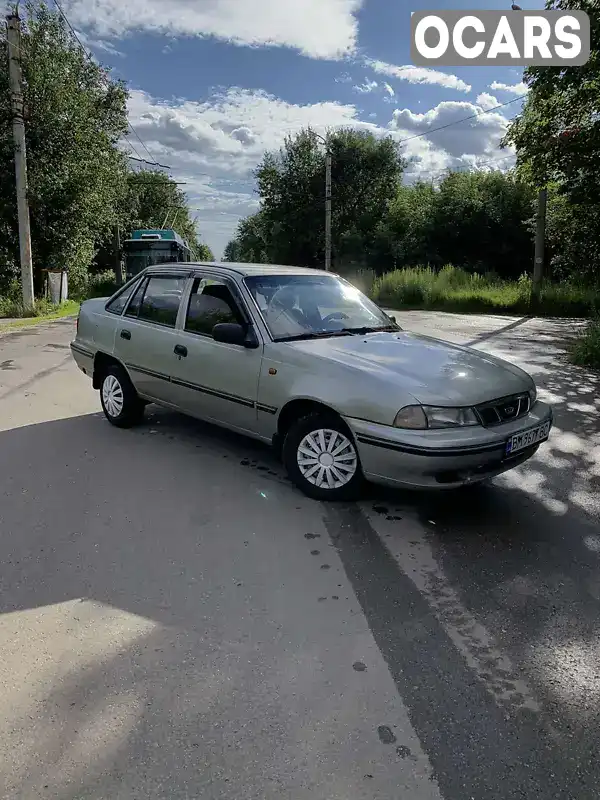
point(211, 302)
point(161, 300)
point(133, 308)
point(117, 305)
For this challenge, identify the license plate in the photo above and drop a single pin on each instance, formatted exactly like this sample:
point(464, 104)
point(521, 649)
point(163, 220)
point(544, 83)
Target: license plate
point(527, 438)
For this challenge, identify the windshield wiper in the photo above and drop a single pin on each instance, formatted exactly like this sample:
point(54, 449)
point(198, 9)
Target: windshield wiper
point(314, 335)
point(366, 329)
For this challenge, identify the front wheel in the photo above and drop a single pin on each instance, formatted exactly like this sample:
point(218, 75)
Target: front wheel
point(120, 402)
point(321, 458)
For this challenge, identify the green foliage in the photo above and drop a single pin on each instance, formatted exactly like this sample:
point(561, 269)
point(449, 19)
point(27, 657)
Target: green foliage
point(481, 220)
point(562, 98)
point(250, 243)
point(80, 185)
point(203, 252)
point(586, 350)
point(454, 289)
point(289, 228)
point(75, 115)
point(557, 138)
point(150, 199)
point(11, 307)
point(102, 284)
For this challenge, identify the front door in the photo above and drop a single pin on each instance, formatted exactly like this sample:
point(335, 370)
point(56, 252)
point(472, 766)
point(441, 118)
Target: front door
point(146, 337)
point(213, 380)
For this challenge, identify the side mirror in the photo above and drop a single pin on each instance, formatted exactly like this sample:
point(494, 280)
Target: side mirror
point(232, 333)
point(393, 318)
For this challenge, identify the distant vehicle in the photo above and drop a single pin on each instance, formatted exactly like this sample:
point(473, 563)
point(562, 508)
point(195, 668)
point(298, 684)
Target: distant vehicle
point(146, 248)
point(301, 359)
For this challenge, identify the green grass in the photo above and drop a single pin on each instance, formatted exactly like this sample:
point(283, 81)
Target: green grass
point(586, 350)
point(44, 312)
point(453, 289)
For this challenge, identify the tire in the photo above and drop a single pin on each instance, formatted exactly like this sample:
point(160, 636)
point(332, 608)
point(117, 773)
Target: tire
point(321, 482)
point(120, 402)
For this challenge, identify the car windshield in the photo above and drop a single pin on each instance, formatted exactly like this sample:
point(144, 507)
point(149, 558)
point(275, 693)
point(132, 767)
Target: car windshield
point(307, 306)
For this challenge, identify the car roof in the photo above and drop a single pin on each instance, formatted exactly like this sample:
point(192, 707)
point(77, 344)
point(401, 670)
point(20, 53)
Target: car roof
point(241, 269)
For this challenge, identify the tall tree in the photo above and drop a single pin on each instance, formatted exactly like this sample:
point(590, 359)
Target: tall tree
point(150, 199)
point(75, 115)
point(557, 138)
point(251, 241)
point(481, 221)
point(557, 135)
point(366, 172)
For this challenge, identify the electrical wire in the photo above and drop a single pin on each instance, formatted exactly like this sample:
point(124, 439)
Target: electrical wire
point(458, 121)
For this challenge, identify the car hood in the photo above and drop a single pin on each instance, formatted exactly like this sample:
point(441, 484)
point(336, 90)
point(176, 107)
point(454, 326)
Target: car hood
point(431, 370)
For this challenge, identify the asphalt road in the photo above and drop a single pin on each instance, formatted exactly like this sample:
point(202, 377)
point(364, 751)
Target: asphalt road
point(176, 621)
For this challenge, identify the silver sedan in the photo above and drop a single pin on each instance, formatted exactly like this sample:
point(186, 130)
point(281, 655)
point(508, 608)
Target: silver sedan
point(301, 359)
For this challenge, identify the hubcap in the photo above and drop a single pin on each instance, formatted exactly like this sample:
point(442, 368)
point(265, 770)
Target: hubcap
point(112, 395)
point(327, 459)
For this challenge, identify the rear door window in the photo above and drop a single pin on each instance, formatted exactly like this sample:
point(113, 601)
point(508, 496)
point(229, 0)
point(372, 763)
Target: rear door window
point(161, 300)
point(117, 305)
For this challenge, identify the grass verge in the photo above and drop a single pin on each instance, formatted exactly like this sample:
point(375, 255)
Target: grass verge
point(453, 289)
point(586, 349)
point(45, 312)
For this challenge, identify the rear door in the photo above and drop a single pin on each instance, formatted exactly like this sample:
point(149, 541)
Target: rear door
point(146, 336)
point(216, 381)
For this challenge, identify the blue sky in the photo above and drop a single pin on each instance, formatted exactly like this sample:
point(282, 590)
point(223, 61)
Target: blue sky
point(214, 83)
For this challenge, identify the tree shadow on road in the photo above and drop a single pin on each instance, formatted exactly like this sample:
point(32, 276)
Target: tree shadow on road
point(524, 551)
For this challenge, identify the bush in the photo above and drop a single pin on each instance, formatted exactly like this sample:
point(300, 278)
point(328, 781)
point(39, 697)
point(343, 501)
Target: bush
point(363, 279)
point(101, 285)
point(454, 289)
point(586, 350)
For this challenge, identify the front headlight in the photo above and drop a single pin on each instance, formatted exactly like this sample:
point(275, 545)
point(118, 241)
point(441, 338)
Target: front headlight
point(433, 417)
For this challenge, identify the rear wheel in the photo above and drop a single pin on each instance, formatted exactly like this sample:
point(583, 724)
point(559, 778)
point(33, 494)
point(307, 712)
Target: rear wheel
point(120, 402)
point(321, 458)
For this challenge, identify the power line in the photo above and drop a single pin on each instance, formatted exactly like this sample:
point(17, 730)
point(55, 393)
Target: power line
point(91, 60)
point(145, 161)
point(458, 121)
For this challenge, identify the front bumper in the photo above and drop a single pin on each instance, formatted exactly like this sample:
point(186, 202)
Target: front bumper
point(441, 459)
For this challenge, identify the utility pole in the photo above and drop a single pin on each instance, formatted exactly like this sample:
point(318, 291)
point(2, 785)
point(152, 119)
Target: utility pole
point(328, 210)
point(540, 236)
point(13, 37)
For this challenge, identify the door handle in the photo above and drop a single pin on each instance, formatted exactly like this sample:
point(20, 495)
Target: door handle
point(180, 350)
point(125, 335)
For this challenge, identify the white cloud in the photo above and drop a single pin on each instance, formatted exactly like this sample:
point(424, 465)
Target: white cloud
point(421, 75)
point(92, 43)
point(214, 146)
point(487, 101)
point(389, 89)
point(518, 89)
point(472, 143)
point(317, 28)
point(367, 87)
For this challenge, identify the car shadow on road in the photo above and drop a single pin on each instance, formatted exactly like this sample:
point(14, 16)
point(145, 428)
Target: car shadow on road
point(129, 547)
